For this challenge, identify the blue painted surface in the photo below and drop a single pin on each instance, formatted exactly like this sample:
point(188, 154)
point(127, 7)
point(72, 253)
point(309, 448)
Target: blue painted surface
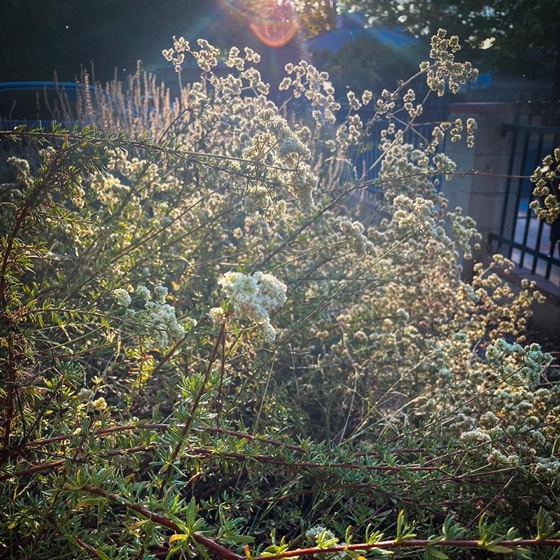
point(31, 102)
point(42, 86)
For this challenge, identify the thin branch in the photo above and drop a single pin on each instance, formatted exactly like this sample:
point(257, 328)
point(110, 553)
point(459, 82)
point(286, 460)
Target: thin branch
point(412, 543)
point(164, 521)
point(194, 406)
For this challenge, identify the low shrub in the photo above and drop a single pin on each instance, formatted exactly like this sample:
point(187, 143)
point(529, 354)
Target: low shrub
point(212, 346)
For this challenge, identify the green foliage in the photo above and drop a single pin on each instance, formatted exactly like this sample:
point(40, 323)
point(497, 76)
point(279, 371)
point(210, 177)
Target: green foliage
point(486, 27)
point(206, 352)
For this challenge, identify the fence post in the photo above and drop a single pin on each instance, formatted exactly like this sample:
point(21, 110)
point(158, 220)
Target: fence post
point(479, 186)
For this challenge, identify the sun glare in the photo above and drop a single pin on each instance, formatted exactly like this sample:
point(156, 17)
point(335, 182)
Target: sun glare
point(273, 22)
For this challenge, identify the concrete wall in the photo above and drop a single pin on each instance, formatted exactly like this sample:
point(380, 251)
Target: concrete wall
point(480, 191)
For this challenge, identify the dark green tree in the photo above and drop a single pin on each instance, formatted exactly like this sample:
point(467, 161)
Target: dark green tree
point(520, 36)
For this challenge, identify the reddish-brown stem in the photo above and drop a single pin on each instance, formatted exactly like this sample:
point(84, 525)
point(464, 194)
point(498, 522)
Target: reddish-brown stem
point(43, 466)
point(138, 449)
point(89, 549)
point(10, 391)
point(412, 543)
point(203, 452)
point(163, 427)
point(60, 463)
point(270, 459)
point(164, 521)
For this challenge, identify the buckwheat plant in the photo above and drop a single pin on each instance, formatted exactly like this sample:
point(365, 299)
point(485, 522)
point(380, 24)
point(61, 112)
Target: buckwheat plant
point(157, 319)
point(444, 69)
point(144, 415)
point(253, 297)
point(546, 179)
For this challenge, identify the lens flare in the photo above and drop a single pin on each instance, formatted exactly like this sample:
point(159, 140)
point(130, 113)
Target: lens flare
point(273, 22)
point(276, 25)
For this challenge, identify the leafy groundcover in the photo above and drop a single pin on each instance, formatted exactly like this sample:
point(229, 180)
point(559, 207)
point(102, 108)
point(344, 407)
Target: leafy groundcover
point(221, 338)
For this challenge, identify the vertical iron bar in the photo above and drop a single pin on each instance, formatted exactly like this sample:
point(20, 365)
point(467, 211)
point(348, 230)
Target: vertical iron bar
point(536, 162)
point(507, 193)
point(520, 184)
point(549, 260)
point(537, 247)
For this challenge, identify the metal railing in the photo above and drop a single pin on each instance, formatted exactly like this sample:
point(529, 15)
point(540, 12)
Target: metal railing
point(528, 242)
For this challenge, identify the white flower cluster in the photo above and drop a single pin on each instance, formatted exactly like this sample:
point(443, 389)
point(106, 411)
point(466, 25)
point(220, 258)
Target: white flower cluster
point(270, 163)
point(122, 296)
point(353, 232)
point(518, 365)
point(176, 55)
point(157, 319)
point(386, 102)
point(305, 80)
point(444, 67)
point(512, 422)
point(475, 437)
point(206, 57)
point(254, 297)
point(159, 316)
point(545, 178)
point(413, 215)
point(287, 157)
point(465, 232)
point(455, 130)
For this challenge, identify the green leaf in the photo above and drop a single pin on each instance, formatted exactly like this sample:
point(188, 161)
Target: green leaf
point(498, 548)
point(404, 530)
point(437, 553)
point(274, 549)
point(373, 537)
point(101, 554)
point(190, 514)
point(545, 526)
point(451, 530)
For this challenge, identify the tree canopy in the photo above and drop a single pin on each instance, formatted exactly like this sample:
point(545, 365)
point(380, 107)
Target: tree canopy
point(522, 37)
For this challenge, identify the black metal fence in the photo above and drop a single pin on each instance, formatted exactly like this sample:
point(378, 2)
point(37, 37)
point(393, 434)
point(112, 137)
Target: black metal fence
point(528, 242)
